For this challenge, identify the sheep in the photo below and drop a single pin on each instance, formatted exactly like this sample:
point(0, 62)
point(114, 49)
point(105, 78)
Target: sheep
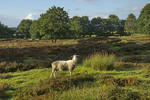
point(64, 65)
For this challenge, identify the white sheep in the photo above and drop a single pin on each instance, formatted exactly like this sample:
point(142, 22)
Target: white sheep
point(64, 65)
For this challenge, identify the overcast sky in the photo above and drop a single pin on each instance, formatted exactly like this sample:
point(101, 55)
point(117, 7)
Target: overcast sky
point(13, 11)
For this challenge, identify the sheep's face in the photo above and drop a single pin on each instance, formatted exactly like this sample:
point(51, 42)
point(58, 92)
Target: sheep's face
point(75, 57)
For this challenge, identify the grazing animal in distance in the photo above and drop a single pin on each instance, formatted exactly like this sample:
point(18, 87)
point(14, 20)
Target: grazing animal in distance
point(64, 65)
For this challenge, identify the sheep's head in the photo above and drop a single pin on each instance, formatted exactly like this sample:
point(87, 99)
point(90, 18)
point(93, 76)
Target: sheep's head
point(74, 57)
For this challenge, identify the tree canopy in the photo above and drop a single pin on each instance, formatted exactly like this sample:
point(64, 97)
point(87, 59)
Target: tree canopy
point(54, 23)
point(24, 27)
point(6, 32)
point(130, 24)
point(143, 22)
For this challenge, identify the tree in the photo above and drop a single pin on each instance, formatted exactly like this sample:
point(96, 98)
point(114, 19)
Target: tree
point(34, 30)
point(130, 24)
point(85, 23)
point(121, 27)
point(6, 32)
point(24, 27)
point(75, 26)
point(114, 23)
point(98, 26)
point(144, 20)
point(54, 23)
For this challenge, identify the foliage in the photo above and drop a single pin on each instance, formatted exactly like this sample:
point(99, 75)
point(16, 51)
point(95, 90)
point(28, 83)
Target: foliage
point(54, 23)
point(114, 23)
point(24, 94)
point(3, 88)
point(131, 81)
point(100, 61)
point(24, 27)
point(143, 22)
point(125, 64)
point(6, 32)
point(75, 26)
point(130, 24)
point(34, 30)
point(14, 66)
point(97, 26)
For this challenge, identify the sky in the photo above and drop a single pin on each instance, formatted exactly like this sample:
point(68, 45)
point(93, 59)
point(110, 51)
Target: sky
point(13, 11)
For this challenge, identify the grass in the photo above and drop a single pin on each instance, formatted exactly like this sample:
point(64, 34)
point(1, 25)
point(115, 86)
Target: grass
point(30, 79)
point(128, 67)
point(100, 61)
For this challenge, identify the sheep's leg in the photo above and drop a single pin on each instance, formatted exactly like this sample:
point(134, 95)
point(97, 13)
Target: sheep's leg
point(51, 74)
point(54, 74)
point(70, 73)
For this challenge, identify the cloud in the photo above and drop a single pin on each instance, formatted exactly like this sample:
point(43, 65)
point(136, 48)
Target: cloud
point(137, 8)
point(105, 17)
point(31, 16)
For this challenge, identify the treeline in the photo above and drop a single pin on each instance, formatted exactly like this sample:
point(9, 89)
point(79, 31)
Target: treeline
point(56, 24)
point(6, 32)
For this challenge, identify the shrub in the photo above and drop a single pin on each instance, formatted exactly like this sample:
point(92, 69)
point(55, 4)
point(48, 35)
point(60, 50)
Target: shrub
point(3, 88)
point(125, 64)
point(116, 93)
point(100, 61)
point(131, 81)
point(100, 79)
point(24, 94)
point(14, 66)
point(138, 58)
point(146, 71)
point(5, 76)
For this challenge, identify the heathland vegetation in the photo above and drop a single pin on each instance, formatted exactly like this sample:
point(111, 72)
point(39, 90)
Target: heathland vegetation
point(111, 65)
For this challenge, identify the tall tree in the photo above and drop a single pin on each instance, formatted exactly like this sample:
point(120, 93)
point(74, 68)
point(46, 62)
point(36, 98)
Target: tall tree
point(143, 22)
point(98, 26)
point(24, 27)
point(130, 24)
point(6, 32)
point(114, 23)
point(85, 23)
point(76, 27)
point(121, 27)
point(54, 23)
point(35, 30)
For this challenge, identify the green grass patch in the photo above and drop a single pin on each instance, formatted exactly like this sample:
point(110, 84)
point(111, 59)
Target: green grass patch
point(100, 61)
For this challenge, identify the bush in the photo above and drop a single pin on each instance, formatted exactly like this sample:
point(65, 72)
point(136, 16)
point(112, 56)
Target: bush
point(25, 94)
point(131, 81)
point(126, 64)
point(14, 66)
point(146, 71)
point(5, 76)
point(3, 88)
point(100, 61)
point(116, 93)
